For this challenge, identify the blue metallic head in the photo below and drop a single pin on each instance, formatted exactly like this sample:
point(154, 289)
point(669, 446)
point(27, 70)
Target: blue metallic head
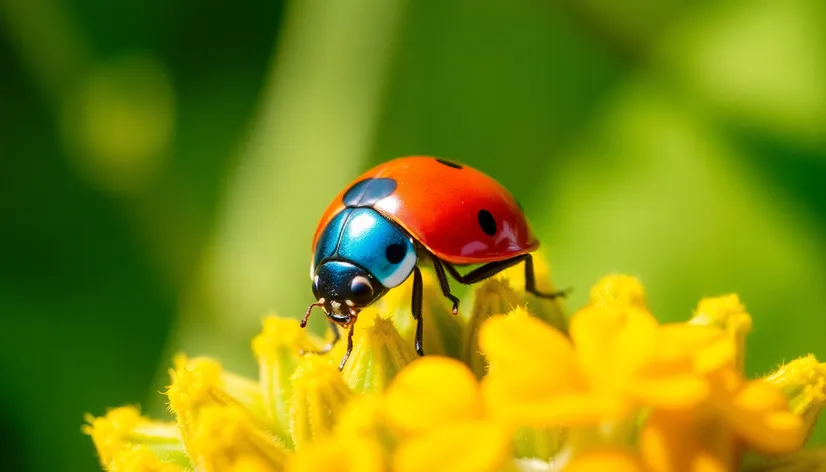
point(358, 257)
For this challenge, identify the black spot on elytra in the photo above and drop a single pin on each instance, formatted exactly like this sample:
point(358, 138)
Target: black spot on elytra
point(448, 163)
point(487, 222)
point(395, 253)
point(367, 192)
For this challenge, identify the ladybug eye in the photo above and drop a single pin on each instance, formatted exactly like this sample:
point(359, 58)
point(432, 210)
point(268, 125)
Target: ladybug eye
point(361, 288)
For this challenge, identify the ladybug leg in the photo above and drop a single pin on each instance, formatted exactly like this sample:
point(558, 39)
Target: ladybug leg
point(336, 333)
point(486, 271)
point(493, 268)
point(349, 347)
point(416, 305)
point(440, 274)
point(530, 282)
point(329, 347)
point(336, 338)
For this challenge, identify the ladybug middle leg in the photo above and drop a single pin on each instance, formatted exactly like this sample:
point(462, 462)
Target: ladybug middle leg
point(329, 347)
point(336, 338)
point(440, 274)
point(489, 270)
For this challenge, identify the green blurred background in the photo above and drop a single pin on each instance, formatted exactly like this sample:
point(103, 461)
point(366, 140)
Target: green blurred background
point(164, 164)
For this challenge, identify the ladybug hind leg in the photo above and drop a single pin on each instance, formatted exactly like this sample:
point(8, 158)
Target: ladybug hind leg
point(489, 270)
point(472, 277)
point(530, 282)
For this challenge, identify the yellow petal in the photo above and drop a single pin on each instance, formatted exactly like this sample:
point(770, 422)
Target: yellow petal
point(528, 358)
point(356, 454)
point(606, 460)
point(670, 390)
point(430, 392)
point(696, 348)
point(363, 416)
point(618, 290)
point(759, 416)
point(474, 446)
point(278, 349)
point(320, 396)
point(379, 353)
point(563, 409)
point(201, 382)
point(803, 383)
point(124, 427)
point(727, 313)
point(676, 441)
point(140, 458)
point(534, 377)
point(548, 310)
point(613, 343)
point(490, 298)
point(225, 438)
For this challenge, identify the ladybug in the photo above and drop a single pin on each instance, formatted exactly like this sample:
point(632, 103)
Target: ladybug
point(378, 230)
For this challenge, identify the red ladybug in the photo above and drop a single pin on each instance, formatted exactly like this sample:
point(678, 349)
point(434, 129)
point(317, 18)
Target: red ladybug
point(400, 213)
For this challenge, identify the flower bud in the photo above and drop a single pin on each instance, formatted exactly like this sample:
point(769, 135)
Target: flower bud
point(379, 353)
point(319, 396)
point(279, 348)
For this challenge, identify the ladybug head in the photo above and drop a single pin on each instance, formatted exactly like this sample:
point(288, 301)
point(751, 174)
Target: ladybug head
point(360, 254)
point(344, 289)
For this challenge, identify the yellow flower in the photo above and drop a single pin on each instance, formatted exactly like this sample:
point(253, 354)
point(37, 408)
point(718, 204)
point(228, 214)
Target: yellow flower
point(803, 382)
point(279, 348)
point(436, 405)
point(501, 294)
point(116, 434)
point(510, 388)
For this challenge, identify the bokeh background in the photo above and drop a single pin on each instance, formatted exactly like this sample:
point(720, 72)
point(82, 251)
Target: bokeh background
point(164, 163)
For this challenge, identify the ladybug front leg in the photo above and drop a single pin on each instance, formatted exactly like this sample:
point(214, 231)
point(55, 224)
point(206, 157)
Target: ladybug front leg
point(416, 306)
point(440, 274)
point(349, 347)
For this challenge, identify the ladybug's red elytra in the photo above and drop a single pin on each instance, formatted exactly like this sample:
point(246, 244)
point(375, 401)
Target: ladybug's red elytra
point(377, 230)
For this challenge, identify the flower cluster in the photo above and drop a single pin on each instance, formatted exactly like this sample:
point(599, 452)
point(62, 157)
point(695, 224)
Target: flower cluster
point(511, 385)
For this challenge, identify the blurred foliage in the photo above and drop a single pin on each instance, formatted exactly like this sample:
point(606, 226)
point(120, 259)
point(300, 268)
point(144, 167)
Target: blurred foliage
point(166, 163)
